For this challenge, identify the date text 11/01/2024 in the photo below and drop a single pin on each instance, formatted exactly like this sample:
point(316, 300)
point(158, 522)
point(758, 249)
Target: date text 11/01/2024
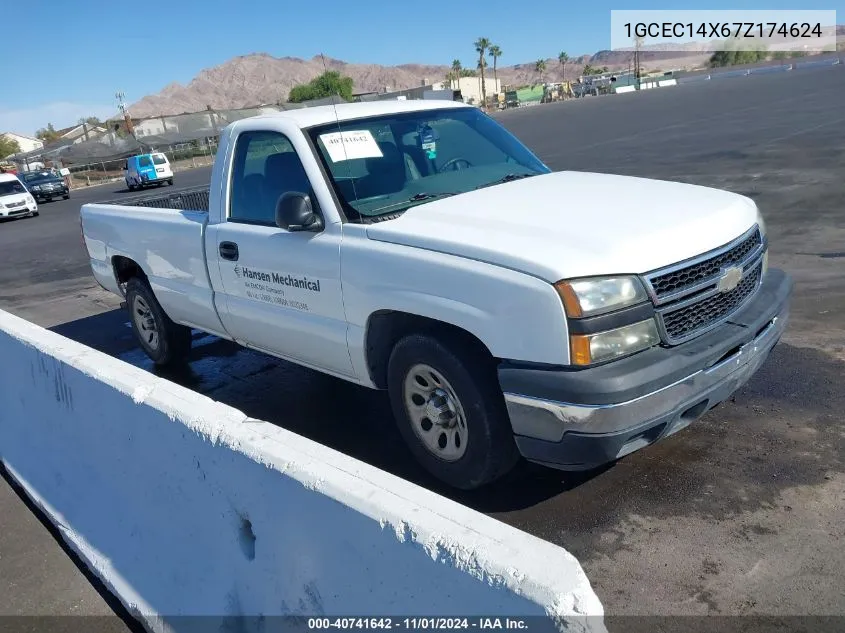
point(417, 623)
point(723, 29)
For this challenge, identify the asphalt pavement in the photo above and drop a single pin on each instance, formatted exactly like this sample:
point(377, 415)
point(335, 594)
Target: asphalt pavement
point(740, 514)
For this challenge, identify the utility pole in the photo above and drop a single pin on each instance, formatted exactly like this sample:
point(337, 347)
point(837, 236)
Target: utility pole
point(637, 43)
point(121, 105)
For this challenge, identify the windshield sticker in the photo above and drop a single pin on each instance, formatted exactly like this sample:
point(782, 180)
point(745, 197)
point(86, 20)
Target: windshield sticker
point(351, 145)
point(428, 138)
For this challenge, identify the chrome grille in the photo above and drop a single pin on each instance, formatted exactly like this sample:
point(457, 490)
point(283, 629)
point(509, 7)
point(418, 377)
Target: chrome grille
point(693, 297)
point(689, 320)
point(677, 281)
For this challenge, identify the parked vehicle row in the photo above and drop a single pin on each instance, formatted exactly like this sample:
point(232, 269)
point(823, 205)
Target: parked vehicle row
point(419, 248)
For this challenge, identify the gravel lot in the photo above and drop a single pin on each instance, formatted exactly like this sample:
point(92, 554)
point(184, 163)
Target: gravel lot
point(742, 513)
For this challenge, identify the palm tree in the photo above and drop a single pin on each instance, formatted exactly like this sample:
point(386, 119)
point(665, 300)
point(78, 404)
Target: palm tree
point(563, 58)
point(481, 46)
point(456, 70)
point(495, 53)
point(540, 67)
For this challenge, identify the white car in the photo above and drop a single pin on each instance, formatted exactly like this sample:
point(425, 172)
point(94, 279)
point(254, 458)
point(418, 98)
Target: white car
point(15, 199)
point(418, 247)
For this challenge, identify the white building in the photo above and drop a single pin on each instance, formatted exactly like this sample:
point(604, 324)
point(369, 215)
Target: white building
point(470, 87)
point(26, 143)
point(157, 126)
point(81, 133)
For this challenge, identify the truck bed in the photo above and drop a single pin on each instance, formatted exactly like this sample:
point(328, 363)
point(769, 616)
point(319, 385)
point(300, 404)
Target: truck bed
point(187, 199)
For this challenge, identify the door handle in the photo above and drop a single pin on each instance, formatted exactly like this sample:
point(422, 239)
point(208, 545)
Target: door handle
point(228, 250)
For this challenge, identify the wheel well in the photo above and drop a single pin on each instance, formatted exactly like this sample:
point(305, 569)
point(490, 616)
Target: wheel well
point(386, 327)
point(125, 269)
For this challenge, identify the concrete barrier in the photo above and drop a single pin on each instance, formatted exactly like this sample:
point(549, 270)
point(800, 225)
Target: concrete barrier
point(194, 514)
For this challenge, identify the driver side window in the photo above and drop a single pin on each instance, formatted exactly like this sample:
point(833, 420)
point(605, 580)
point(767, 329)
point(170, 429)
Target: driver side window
point(266, 166)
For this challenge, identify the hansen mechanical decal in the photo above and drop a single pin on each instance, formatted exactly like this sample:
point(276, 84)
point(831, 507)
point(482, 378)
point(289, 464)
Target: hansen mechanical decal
point(278, 278)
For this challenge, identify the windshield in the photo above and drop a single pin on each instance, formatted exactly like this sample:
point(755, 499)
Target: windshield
point(159, 159)
point(384, 165)
point(11, 186)
point(34, 177)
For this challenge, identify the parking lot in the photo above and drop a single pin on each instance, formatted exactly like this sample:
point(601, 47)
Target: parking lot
point(742, 513)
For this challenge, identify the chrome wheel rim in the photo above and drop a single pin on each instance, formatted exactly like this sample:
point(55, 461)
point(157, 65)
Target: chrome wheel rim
point(145, 322)
point(435, 412)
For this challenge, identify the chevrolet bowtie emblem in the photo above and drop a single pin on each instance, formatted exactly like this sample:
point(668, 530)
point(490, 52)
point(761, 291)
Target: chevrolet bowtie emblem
point(730, 279)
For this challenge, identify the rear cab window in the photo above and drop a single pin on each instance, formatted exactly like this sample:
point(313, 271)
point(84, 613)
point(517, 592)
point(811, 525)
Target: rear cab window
point(159, 159)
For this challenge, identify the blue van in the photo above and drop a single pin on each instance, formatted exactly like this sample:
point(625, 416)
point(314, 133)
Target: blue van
point(147, 169)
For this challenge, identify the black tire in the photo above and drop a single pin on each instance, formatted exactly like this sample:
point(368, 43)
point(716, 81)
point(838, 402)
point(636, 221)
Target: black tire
point(490, 451)
point(67, 197)
point(35, 214)
point(173, 340)
point(170, 181)
point(129, 186)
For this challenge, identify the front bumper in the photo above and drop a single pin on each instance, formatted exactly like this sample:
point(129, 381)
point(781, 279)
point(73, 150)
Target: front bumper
point(18, 212)
point(49, 195)
point(581, 419)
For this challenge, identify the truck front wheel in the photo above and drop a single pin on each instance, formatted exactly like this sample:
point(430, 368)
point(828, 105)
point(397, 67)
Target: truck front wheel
point(165, 342)
point(447, 402)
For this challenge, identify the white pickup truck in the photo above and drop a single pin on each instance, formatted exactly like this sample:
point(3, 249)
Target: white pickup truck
point(418, 247)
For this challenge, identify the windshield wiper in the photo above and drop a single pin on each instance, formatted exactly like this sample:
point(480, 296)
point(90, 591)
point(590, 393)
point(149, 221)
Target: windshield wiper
point(417, 197)
point(505, 178)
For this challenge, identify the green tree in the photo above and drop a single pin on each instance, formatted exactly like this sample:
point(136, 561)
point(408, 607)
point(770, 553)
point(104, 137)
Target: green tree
point(495, 53)
point(735, 52)
point(328, 84)
point(456, 68)
point(8, 146)
point(481, 46)
point(540, 67)
point(47, 134)
point(562, 59)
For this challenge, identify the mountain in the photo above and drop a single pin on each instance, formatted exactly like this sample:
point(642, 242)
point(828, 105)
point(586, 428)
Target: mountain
point(257, 79)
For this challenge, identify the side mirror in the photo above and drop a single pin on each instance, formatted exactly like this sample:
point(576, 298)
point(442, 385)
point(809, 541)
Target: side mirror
point(294, 212)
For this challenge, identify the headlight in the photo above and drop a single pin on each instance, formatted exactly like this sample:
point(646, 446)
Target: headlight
point(589, 297)
point(30, 200)
point(587, 349)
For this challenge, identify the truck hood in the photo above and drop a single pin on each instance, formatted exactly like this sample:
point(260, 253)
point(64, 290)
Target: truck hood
point(573, 224)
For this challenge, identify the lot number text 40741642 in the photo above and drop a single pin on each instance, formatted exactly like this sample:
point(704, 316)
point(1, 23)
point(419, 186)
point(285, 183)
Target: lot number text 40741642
point(417, 623)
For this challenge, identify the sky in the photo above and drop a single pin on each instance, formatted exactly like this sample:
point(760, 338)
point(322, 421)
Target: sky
point(90, 49)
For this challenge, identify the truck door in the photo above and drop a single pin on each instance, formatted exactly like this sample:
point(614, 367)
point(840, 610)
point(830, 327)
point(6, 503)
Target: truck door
point(282, 289)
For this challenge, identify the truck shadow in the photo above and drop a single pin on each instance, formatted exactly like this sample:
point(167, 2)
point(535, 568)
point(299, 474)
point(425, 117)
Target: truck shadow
point(351, 419)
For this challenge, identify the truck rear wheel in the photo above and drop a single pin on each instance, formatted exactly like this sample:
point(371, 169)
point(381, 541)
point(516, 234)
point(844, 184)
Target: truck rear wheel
point(165, 342)
point(447, 402)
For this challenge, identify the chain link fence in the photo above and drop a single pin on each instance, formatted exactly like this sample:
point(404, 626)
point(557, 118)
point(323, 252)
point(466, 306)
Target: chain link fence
point(188, 140)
